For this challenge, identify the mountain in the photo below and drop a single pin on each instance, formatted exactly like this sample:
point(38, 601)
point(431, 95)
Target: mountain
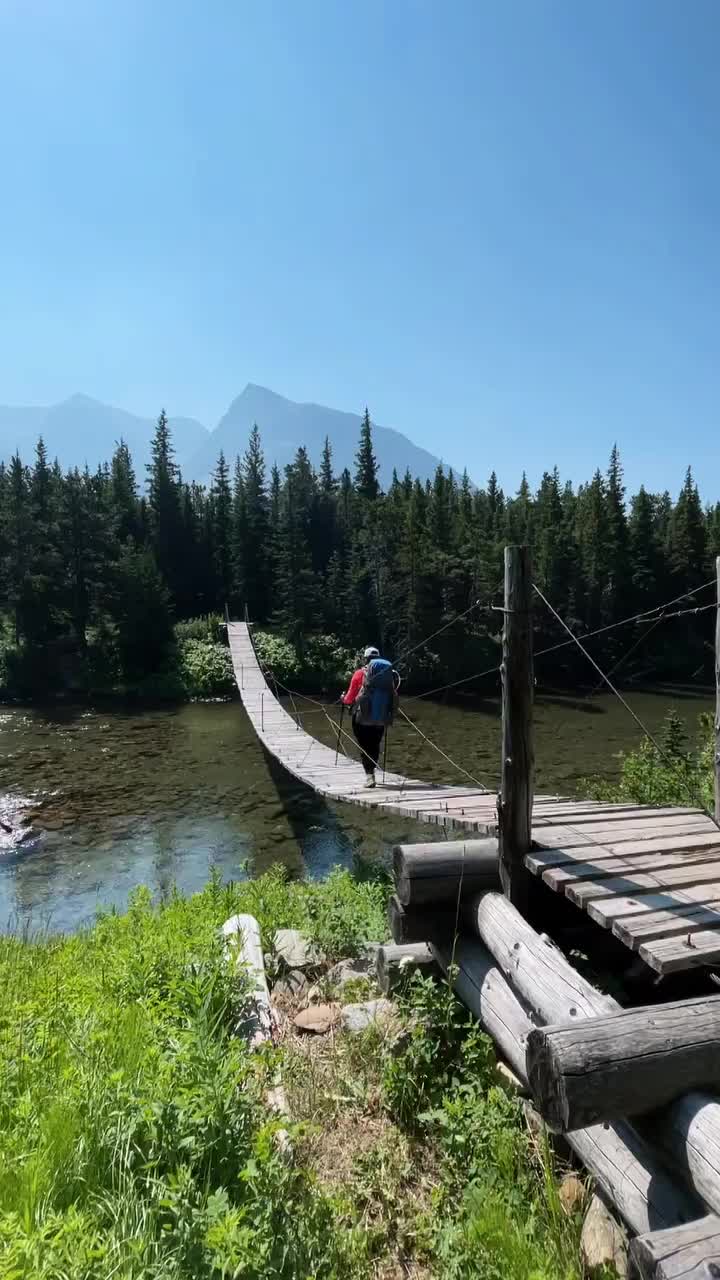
point(285, 425)
point(81, 430)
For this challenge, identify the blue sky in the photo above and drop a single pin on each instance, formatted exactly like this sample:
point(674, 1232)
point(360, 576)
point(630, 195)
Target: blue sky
point(496, 223)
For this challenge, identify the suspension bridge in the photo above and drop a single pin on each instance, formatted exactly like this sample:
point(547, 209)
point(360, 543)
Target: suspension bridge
point(651, 875)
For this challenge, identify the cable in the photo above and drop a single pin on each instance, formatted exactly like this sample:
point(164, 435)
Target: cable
point(663, 755)
point(646, 615)
point(440, 751)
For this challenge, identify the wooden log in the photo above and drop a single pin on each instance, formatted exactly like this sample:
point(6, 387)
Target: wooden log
point(420, 924)
point(518, 763)
point(394, 964)
point(624, 1064)
point(444, 871)
point(242, 934)
point(687, 1252)
point(688, 1129)
point(622, 1163)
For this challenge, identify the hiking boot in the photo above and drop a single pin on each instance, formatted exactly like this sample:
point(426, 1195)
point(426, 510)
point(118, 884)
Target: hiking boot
point(370, 781)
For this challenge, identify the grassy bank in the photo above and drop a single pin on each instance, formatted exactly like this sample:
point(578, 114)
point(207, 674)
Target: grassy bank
point(135, 1142)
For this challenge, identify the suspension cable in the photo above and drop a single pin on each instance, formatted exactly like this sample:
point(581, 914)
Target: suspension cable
point(435, 747)
point(672, 764)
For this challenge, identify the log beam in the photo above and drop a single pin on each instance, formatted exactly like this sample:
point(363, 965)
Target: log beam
point(624, 1064)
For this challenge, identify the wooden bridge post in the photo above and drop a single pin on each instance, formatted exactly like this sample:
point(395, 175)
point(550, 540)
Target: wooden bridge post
point(717, 696)
point(518, 761)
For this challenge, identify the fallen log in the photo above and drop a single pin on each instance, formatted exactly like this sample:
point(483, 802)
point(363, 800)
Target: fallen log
point(688, 1130)
point(625, 1063)
point(688, 1252)
point(622, 1163)
point(242, 940)
point(394, 964)
point(420, 924)
point(444, 872)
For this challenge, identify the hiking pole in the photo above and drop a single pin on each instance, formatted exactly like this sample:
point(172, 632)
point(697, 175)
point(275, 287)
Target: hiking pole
point(385, 755)
point(337, 748)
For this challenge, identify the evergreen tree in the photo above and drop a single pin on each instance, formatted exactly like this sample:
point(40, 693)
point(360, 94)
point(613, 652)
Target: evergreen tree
point(164, 506)
point(366, 473)
point(222, 533)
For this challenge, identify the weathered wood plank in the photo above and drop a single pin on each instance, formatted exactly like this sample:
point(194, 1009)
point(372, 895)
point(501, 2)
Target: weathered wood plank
point(687, 1252)
point(605, 912)
point(558, 878)
point(624, 1063)
point(634, 930)
point(674, 877)
point(395, 964)
point(689, 951)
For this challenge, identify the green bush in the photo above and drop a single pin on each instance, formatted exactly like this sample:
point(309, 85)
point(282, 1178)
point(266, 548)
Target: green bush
point(675, 775)
point(278, 655)
point(206, 669)
point(210, 627)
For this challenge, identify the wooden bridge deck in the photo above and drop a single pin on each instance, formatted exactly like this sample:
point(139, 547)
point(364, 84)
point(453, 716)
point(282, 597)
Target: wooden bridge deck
point(652, 875)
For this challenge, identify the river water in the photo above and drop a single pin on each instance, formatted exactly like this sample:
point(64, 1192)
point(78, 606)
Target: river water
point(108, 799)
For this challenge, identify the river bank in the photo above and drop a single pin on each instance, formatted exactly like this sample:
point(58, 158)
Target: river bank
point(113, 797)
point(136, 1139)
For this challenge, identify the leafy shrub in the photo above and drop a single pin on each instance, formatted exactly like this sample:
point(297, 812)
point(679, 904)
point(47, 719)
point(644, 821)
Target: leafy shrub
point(675, 775)
point(326, 662)
point(209, 627)
point(206, 669)
point(278, 655)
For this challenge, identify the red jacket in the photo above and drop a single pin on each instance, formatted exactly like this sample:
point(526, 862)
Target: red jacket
point(354, 687)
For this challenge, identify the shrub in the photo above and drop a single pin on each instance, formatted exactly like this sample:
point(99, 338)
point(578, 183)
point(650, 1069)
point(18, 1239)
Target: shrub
point(674, 775)
point(278, 655)
point(210, 627)
point(206, 669)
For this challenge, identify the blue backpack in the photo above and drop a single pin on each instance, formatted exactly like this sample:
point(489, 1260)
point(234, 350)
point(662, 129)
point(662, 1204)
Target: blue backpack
point(377, 701)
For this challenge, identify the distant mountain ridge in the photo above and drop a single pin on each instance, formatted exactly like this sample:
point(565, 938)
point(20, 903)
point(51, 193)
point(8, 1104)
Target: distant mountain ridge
point(82, 431)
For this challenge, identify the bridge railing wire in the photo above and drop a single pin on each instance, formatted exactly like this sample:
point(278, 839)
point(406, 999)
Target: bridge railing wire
point(664, 755)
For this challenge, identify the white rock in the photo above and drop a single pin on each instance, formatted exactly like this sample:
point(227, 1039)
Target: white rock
point(603, 1242)
point(294, 950)
point(358, 1017)
point(292, 985)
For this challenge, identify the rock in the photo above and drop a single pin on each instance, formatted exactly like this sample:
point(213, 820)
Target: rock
point(603, 1241)
point(319, 1018)
point(509, 1080)
point(358, 1017)
point(572, 1192)
point(294, 950)
point(534, 1121)
point(348, 971)
point(291, 986)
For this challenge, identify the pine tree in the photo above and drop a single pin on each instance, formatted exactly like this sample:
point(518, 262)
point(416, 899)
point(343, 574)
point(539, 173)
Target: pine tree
point(125, 495)
point(686, 544)
point(366, 473)
point(222, 533)
point(164, 505)
point(257, 535)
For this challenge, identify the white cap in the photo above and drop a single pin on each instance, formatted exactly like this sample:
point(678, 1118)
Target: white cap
point(371, 652)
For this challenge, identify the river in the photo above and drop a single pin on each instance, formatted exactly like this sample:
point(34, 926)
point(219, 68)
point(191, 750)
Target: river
point(110, 798)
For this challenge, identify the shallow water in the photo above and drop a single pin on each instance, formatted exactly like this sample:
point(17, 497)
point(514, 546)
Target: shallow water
point(111, 799)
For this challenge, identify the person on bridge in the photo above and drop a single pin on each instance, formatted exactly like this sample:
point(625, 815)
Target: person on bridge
point(372, 694)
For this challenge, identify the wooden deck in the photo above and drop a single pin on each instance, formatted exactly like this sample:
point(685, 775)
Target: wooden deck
point(650, 875)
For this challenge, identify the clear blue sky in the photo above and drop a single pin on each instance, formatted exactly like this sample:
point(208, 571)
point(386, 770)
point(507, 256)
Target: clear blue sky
point(497, 223)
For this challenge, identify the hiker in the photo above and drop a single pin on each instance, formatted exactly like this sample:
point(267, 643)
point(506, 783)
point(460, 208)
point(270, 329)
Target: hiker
point(372, 694)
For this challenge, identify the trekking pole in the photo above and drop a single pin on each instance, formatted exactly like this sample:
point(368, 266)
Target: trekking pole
point(385, 754)
point(337, 748)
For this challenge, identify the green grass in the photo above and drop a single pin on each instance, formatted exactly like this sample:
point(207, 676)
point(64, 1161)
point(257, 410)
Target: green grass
point(135, 1141)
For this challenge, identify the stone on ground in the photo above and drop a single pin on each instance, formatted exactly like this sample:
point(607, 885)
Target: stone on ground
point(291, 986)
point(358, 1017)
point(318, 1018)
point(295, 951)
point(603, 1241)
point(572, 1193)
